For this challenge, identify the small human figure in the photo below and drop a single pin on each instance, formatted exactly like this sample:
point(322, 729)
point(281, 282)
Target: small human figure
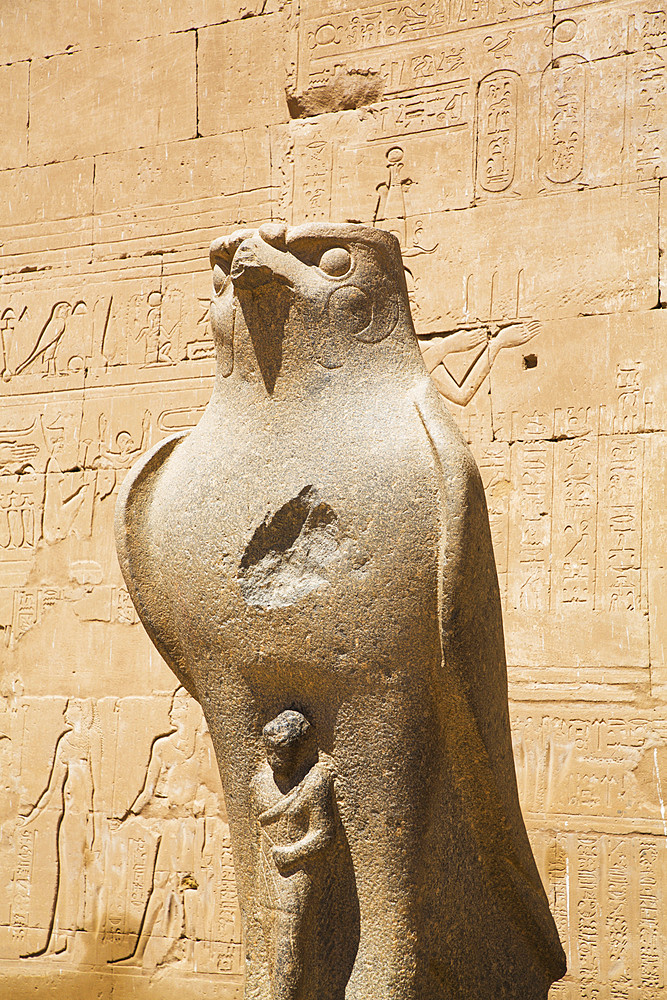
point(435, 349)
point(157, 343)
point(305, 874)
point(126, 451)
point(7, 327)
point(75, 777)
point(70, 483)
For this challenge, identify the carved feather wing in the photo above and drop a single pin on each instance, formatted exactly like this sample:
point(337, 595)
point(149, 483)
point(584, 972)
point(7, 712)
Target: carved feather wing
point(478, 733)
point(136, 554)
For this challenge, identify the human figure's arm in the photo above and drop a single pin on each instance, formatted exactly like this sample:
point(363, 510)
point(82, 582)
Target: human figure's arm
point(56, 780)
point(145, 427)
point(437, 348)
point(104, 457)
point(321, 826)
point(510, 336)
point(95, 773)
point(103, 427)
point(150, 784)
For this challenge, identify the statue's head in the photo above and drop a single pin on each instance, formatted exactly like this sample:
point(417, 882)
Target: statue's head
point(289, 741)
point(343, 282)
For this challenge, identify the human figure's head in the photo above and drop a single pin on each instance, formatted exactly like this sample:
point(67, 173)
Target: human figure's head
point(79, 713)
point(183, 708)
point(124, 441)
point(289, 740)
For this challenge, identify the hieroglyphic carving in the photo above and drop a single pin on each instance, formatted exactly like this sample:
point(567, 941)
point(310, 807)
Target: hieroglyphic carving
point(51, 344)
point(115, 242)
point(605, 775)
point(179, 792)
point(392, 209)
point(317, 179)
point(494, 466)
point(619, 580)
point(407, 46)
point(7, 325)
point(598, 766)
point(648, 102)
point(59, 472)
point(563, 119)
point(72, 485)
point(123, 450)
point(647, 28)
point(497, 112)
point(530, 528)
point(17, 519)
point(47, 341)
point(45, 350)
point(575, 523)
point(394, 136)
point(158, 883)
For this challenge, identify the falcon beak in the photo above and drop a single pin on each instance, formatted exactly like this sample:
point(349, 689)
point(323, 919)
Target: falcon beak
point(254, 258)
point(247, 270)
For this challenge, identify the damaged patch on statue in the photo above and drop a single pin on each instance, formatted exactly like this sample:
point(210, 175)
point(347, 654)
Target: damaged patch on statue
point(288, 554)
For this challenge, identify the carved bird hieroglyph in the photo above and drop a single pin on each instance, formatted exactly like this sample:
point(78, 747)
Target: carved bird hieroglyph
point(320, 543)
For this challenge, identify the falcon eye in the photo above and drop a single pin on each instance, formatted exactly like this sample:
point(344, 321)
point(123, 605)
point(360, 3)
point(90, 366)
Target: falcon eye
point(336, 261)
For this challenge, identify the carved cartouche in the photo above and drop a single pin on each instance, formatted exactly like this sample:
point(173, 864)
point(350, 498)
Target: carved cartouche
point(319, 543)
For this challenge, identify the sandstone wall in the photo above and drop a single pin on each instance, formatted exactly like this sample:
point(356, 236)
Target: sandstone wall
point(516, 148)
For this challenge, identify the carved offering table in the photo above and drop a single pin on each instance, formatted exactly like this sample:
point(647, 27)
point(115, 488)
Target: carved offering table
point(314, 563)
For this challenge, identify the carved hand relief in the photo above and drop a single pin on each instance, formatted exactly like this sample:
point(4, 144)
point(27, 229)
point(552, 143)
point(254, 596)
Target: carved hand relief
point(479, 342)
point(490, 340)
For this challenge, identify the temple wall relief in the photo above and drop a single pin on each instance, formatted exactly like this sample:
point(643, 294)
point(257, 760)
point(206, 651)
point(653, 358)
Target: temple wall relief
point(518, 151)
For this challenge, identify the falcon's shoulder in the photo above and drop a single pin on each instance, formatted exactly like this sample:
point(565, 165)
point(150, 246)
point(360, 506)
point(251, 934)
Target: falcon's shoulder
point(135, 550)
point(477, 736)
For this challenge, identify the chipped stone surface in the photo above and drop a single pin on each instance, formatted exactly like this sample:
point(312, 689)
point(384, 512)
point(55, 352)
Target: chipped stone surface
point(517, 151)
